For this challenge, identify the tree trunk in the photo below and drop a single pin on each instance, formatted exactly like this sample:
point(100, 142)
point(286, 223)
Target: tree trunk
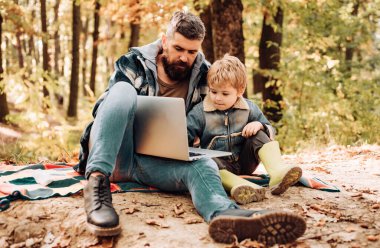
point(227, 28)
point(269, 59)
point(350, 43)
point(4, 110)
point(73, 100)
point(95, 40)
point(31, 47)
point(207, 45)
point(135, 34)
point(19, 50)
point(57, 47)
point(84, 55)
point(45, 55)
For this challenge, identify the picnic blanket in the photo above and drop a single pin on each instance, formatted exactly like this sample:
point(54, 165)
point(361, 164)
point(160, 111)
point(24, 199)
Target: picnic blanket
point(41, 181)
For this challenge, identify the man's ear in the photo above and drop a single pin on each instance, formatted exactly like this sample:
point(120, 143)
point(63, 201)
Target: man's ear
point(164, 40)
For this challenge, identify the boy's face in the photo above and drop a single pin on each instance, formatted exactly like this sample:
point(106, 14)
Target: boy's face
point(224, 96)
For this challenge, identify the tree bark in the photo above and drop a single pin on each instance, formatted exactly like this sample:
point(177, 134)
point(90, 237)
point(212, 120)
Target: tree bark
point(19, 50)
point(207, 45)
point(135, 35)
point(84, 56)
point(350, 43)
point(95, 40)
point(227, 28)
point(4, 110)
point(45, 54)
point(269, 59)
point(76, 26)
point(57, 46)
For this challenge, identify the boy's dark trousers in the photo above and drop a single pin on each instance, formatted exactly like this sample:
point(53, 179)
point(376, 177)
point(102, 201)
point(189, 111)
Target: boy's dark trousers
point(248, 158)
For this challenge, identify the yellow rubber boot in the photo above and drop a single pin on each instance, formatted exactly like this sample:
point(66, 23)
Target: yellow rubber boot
point(282, 176)
point(241, 190)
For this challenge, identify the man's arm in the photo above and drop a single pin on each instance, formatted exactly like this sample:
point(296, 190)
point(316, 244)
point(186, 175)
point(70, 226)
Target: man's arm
point(195, 123)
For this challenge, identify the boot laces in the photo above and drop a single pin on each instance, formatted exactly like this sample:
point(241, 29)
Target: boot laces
point(102, 195)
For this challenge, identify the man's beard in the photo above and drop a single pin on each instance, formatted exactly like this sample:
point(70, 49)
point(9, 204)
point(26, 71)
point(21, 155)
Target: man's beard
point(177, 70)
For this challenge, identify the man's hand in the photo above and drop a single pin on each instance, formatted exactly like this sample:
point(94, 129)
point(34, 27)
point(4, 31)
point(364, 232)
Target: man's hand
point(251, 129)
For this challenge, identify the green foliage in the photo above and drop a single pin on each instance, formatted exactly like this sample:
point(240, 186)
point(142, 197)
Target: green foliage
point(328, 98)
point(326, 102)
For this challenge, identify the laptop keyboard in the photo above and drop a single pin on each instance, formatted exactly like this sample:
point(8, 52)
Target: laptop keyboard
point(193, 154)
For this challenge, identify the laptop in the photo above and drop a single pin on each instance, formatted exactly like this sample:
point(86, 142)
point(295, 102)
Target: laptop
point(160, 130)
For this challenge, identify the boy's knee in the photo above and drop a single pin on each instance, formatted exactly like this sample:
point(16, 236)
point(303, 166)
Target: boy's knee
point(259, 138)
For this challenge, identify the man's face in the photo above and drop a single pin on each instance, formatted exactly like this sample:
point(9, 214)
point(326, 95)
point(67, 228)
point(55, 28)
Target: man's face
point(179, 54)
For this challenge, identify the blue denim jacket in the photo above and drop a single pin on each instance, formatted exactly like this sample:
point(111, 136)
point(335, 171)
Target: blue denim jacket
point(221, 130)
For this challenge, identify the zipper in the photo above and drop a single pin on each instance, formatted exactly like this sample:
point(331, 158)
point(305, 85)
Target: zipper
point(227, 124)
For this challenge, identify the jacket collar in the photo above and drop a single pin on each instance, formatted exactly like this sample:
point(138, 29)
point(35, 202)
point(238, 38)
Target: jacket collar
point(239, 104)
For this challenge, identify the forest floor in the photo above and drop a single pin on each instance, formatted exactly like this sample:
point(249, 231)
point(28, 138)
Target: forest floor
point(349, 218)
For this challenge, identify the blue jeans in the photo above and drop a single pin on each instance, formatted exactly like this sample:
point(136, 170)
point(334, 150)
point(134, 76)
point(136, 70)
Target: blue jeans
point(112, 153)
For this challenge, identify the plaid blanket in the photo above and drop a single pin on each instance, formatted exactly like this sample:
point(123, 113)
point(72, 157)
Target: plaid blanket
point(41, 181)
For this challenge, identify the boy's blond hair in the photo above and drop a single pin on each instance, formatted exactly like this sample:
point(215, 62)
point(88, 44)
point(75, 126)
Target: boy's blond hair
point(228, 70)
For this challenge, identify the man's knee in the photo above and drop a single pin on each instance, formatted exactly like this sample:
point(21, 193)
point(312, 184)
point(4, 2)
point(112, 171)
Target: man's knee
point(123, 97)
point(206, 164)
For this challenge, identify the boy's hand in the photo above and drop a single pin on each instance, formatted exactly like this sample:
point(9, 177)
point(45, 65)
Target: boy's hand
point(251, 129)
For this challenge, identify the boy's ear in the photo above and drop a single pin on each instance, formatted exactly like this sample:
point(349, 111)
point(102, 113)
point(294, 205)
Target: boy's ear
point(240, 92)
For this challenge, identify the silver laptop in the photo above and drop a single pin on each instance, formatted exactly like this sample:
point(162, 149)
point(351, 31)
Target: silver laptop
point(160, 130)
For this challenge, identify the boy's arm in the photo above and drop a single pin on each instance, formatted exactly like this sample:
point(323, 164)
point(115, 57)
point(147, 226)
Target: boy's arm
point(195, 123)
point(257, 115)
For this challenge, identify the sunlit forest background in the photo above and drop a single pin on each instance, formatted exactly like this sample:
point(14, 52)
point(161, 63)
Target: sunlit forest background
point(313, 65)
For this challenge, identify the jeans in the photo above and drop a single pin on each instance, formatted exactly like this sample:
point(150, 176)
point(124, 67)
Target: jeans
point(248, 157)
point(112, 153)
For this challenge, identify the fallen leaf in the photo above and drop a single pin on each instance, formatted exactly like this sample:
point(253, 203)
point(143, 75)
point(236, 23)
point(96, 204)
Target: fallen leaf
point(316, 207)
point(193, 221)
point(152, 222)
point(364, 225)
point(141, 235)
point(357, 195)
point(372, 238)
point(178, 210)
point(320, 169)
point(375, 206)
point(150, 204)
point(130, 210)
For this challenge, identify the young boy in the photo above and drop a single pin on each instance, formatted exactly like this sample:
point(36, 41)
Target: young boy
point(228, 122)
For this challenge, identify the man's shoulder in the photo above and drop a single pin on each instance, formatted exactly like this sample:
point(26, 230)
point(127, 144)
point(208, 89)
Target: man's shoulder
point(128, 58)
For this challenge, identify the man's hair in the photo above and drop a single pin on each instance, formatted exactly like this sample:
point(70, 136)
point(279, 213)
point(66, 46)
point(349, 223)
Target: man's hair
point(228, 70)
point(187, 24)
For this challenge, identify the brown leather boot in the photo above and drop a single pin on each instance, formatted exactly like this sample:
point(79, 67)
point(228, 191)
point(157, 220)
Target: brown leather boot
point(265, 226)
point(102, 219)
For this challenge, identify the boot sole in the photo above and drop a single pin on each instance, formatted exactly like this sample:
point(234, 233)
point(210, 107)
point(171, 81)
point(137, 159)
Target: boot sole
point(104, 231)
point(245, 194)
point(291, 178)
point(269, 229)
